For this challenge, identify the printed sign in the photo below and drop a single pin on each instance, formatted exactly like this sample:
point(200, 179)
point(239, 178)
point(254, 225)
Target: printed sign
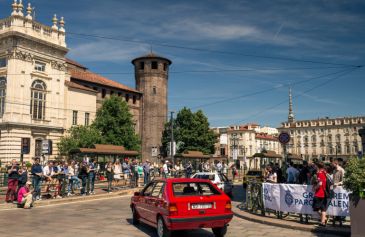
point(299, 199)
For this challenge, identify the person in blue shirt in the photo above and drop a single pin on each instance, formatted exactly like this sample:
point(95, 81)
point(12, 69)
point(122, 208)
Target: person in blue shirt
point(37, 175)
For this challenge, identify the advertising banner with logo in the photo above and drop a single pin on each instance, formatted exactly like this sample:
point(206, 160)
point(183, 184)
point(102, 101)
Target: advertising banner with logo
point(271, 196)
point(299, 198)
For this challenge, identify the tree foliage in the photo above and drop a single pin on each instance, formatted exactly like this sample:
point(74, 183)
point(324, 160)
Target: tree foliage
point(191, 131)
point(79, 137)
point(355, 176)
point(115, 123)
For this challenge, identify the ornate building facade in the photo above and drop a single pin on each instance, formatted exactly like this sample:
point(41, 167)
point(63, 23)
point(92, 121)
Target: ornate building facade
point(42, 93)
point(323, 138)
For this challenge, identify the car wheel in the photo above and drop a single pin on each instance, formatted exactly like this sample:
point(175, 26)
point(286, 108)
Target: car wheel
point(135, 220)
point(220, 231)
point(162, 230)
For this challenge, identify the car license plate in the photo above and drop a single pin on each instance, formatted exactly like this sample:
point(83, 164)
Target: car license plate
point(201, 206)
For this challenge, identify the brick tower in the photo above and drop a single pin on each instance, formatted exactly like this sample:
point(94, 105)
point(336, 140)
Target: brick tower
point(151, 75)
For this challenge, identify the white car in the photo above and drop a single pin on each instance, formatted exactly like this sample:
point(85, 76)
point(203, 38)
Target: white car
point(218, 179)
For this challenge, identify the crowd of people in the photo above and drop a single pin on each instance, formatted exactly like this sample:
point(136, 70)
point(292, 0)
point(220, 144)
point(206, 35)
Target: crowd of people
point(58, 179)
point(323, 177)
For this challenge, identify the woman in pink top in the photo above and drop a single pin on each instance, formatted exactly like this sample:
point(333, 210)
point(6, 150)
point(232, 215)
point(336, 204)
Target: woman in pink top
point(320, 199)
point(25, 197)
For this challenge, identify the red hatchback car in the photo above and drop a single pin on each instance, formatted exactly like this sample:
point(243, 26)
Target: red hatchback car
point(182, 204)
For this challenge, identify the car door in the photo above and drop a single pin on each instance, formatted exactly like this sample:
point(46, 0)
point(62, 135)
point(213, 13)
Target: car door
point(155, 201)
point(142, 206)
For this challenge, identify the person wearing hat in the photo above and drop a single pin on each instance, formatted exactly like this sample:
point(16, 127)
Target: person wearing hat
point(25, 197)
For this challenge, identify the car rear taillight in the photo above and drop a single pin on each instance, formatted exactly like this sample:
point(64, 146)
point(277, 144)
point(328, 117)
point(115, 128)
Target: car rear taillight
point(228, 206)
point(172, 209)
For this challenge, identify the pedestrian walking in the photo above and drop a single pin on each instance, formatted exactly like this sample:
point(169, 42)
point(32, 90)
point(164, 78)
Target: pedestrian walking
point(91, 176)
point(188, 170)
point(109, 175)
point(166, 169)
point(146, 172)
point(83, 176)
point(13, 176)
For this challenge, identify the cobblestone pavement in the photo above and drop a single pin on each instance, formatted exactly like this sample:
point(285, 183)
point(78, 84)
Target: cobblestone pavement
point(109, 218)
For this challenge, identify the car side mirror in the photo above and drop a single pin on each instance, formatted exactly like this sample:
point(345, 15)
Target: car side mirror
point(137, 194)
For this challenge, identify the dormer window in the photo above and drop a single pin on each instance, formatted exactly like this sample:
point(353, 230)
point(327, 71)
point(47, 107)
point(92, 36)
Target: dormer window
point(39, 66)
point(3, 62)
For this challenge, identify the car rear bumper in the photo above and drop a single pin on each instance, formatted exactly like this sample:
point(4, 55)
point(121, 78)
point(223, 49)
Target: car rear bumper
point(188, 223)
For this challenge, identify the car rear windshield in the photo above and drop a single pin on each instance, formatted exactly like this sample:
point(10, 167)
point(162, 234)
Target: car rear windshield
point(256, 173)
point(194, 189)
point(205, 176)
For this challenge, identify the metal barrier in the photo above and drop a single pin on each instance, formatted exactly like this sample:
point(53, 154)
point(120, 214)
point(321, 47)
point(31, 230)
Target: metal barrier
point(254, 201)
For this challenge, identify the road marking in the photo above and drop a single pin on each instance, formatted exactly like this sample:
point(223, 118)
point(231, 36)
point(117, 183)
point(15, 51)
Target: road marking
point(68, 203)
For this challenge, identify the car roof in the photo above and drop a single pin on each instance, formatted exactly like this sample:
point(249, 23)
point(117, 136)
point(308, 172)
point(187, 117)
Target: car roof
point(184, 180)
point(206, 173)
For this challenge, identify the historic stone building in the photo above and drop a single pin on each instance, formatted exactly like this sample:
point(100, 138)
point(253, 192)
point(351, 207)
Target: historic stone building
point(151, 75)
point(323, 138)
point(42, 93)
point(244, 141)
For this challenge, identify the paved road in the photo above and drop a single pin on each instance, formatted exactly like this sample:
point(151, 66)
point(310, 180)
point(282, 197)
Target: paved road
point(108, 218)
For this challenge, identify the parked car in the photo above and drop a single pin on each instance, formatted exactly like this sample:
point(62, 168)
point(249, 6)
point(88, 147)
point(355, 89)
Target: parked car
point(182, 204)
point(218, 179)
point(252, 175)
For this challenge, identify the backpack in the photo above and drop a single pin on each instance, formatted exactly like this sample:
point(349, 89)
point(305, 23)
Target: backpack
point(328, 189)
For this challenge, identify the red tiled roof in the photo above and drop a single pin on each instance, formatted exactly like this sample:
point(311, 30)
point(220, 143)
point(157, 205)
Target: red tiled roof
point(78, 86)
point(266, 136)
point(98, 79)
point(72, 62)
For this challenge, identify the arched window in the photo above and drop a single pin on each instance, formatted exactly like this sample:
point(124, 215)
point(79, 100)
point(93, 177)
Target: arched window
point(38, 100)
point(2, 95)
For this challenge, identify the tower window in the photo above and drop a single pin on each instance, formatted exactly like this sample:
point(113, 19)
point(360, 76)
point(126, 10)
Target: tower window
point(154, 65)
point(141, 65)
point(111, 92)
point(165, 66)
point(127, 97)
point(103, 93)
point(134, 99)
point(154, 90)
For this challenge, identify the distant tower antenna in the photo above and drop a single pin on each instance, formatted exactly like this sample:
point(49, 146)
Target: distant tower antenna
point(291, 118)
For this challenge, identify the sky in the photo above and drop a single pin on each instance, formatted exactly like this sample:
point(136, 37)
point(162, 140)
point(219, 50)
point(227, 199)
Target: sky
point(234, 60)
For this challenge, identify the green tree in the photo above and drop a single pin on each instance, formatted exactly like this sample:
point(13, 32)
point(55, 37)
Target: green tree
point(191, 132)
point(115, 123)
point(79, 137)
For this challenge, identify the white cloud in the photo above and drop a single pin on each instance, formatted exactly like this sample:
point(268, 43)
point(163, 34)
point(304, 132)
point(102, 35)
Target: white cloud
point(106, 51)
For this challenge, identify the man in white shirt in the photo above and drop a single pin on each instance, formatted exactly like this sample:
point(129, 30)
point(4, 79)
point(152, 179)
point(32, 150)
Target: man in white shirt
point(165, 168)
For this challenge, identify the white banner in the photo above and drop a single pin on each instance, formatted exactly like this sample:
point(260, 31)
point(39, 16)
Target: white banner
point(299, 199)
point(271, 196)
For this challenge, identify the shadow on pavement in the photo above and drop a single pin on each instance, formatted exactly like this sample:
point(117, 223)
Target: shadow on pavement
point(182, 233)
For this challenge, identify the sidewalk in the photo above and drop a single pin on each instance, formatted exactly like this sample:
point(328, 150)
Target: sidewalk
point(290, 222)
point(100, 194)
